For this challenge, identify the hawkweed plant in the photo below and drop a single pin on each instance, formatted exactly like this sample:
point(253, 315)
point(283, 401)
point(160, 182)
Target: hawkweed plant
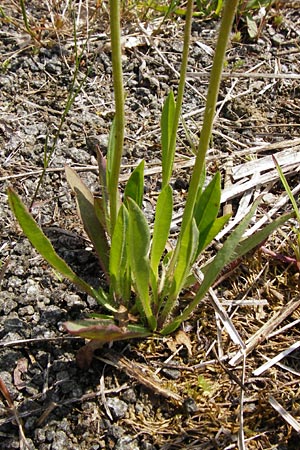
point(144, 280)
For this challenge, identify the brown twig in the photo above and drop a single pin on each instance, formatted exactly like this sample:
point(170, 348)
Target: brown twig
point(140, 373)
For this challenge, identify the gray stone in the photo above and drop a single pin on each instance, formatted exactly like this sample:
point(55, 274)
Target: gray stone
point(117, 407)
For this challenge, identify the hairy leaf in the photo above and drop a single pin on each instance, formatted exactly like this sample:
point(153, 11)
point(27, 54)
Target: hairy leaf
point(110, 152)
point(139, 242)
point(104, 330)
point(162, 223)
point(183, 267)
point(222, 258)
point(42, 244)
point(166, 123)
point(206, 210)
point(135, 185)
point(215, 228)
point(92, 225)
point(118, 255)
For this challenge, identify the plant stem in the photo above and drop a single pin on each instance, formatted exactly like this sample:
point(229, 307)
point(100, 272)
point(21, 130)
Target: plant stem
point(212, 95)
point(181, 85)
point(119, 106)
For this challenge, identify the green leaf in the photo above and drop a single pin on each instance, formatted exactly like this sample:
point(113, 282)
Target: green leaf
point(162, 223)
point(246, 245)
point(222, 258)
point(186, 256)
point(135, 185)
point(118, 254)
point(166, 123)
point(102, 167)
point(42, 244)
point(110, 151)
point(251, 26)
point(104, 330)
point(93, 227)
point(101, 213)
point(183, 268)
point(287, 188)
point(215, 228)
point(139, 242)
point(206, 209)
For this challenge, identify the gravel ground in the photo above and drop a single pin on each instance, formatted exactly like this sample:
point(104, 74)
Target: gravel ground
point(61, 406)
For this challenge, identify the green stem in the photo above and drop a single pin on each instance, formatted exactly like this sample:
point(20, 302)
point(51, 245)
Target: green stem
point(119, 106)
point(25, 20)
point(181, 85)
point(209, 113)
point(211, 101)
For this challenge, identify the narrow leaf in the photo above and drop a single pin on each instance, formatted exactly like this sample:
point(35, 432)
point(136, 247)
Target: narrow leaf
point(118, 253)
point(42, 244)
point(207, 208)
point(287, 188)
point(212, 232)
point(104, 330)
point(222, 258)
point(135, 185)
point(162, 223)
point(139, 242)
point(93, 227)
point(102, 167)
point(167, 121)
point(186, 257)
point(246, 245)
point(110, 152)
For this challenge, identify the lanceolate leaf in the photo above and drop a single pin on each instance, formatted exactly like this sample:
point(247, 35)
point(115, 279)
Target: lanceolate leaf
point(249, 243)
point(186, 256)
point(246, 245)
point(167, 121)
point(138, 243)
point(44, 247)
point(135, 185)
point(118, 253)
point(207, 208)
point(110, 152)
point(104, 217)
point(92, 225)
point(101, 213)
point(104, 330)
point(162, 223)
point(215, 228)
point(183, 267)
point(222, 258)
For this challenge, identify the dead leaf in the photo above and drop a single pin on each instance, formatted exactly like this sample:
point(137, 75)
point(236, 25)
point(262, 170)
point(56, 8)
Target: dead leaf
point(183, 339)
point(20, 369)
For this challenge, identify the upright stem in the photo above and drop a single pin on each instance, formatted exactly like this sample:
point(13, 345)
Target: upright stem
point(115, 35)
point(181, 85)
point(212, 95)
